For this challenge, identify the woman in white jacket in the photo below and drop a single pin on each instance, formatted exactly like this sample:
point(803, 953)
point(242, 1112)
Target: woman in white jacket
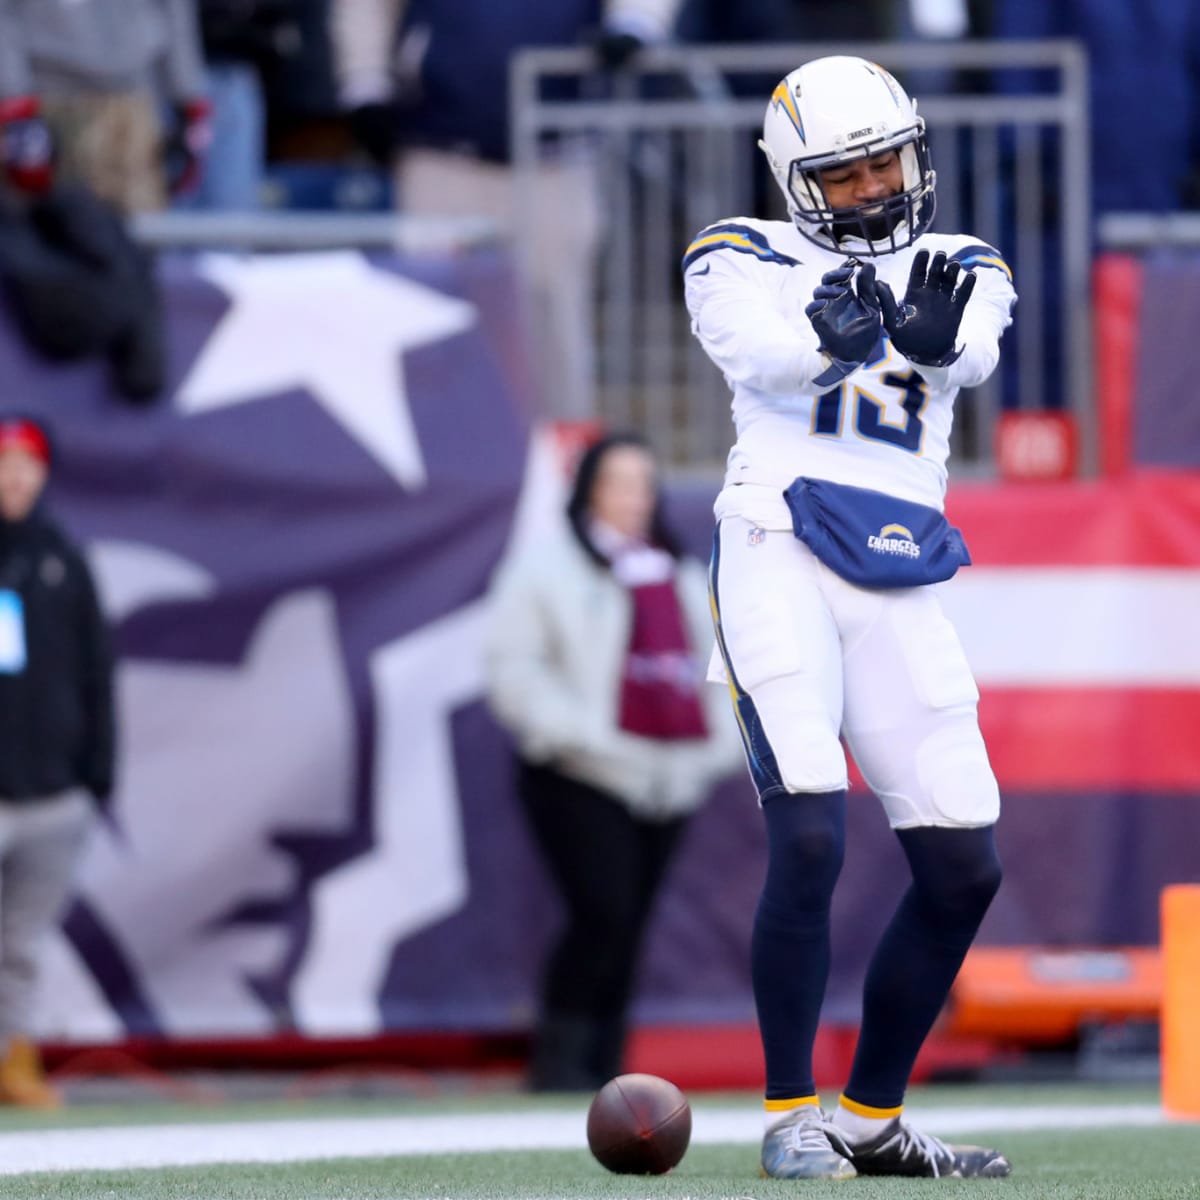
point(596, 654)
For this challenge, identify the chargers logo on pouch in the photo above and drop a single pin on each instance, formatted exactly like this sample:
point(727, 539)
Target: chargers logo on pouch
point(894, 539)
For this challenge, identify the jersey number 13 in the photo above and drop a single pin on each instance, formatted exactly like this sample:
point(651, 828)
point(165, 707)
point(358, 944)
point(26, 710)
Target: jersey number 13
point(868, 411)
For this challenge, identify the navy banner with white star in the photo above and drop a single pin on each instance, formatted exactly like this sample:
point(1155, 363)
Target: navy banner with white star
point(314, 826)
point(292, 545)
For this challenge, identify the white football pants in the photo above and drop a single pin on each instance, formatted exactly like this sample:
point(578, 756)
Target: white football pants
point(810, 658)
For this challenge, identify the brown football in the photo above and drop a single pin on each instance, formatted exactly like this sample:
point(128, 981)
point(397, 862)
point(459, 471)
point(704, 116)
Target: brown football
point(639, 1125)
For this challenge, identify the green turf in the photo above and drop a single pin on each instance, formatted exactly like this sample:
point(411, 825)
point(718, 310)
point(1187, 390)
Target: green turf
point(161, 1111)
point(1141, 1164)
point(1159, 1163)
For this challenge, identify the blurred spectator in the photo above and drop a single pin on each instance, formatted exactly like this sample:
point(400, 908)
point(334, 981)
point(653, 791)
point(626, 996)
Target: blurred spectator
point(56, 737)
point(87, 80)
point(716, 21)
point(933, 18)
point(300, 84)
point(595, 662)
point(426, 86)
point(79, 287)
point(241, 38)
point(932, 21)
point(1144, 98)
point(836, 21)
point(311, 151)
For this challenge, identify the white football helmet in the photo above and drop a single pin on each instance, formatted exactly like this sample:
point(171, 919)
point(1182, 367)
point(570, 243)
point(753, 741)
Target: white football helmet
point(835, 110)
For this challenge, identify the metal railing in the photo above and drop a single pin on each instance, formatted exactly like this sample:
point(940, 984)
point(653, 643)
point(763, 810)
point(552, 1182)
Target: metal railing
point(307, 231)
point(1149, 231)
point(673, 147)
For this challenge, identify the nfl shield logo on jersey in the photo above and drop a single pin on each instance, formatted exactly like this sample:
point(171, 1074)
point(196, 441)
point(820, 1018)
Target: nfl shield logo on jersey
point(756, 536)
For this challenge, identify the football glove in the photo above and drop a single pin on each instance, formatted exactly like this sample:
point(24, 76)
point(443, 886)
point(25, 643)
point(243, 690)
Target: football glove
point(924, 327)
point(847, 320)
point(186, 146)
point(26, 145)
point(375, 126)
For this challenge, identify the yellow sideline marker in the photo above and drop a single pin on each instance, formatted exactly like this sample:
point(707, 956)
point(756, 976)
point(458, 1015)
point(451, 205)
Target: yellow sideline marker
point(1181, 1000)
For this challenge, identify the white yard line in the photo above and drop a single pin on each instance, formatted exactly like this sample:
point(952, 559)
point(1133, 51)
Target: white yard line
point(125, 1146)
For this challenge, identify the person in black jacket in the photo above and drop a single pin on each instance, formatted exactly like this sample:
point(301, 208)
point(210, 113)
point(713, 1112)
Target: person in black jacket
point(243, 40)
point(56, 736)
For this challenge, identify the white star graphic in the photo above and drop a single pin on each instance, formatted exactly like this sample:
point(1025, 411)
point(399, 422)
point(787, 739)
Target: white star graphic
point(330, 323)
point(163, 879)
point(417, 872)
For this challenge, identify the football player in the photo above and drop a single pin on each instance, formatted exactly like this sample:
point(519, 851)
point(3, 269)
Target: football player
point(845, 335)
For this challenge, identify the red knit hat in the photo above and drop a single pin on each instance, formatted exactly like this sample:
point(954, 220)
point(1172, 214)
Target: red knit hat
point(20, 433)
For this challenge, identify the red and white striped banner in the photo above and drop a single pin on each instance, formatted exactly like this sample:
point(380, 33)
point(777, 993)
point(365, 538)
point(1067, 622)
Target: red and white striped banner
point(1077, 618)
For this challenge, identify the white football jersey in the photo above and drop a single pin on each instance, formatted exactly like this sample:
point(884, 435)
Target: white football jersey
point(886, 426)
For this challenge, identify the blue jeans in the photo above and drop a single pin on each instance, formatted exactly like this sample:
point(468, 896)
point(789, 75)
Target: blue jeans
point(233, 170)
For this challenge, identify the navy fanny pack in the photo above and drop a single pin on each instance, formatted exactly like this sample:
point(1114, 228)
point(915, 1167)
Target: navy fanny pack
point(872, 539)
